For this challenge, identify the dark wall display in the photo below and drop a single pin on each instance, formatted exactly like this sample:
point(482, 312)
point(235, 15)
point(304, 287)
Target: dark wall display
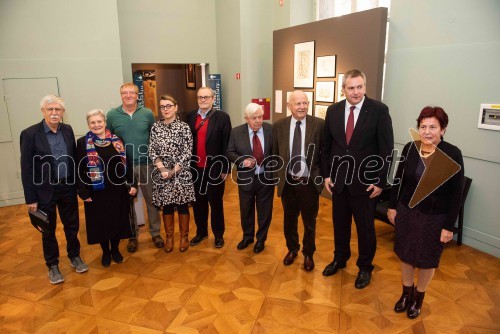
point(335, 45)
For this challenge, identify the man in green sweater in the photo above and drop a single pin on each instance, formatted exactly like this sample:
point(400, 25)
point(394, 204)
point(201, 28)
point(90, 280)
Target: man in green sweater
point(133, 124)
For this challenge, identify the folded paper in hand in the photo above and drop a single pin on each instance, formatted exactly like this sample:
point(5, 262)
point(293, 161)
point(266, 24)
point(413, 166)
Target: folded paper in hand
point(40, 221)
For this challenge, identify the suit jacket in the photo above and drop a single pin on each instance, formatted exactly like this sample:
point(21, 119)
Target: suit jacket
point(281, 148)
point(239, 149)
point(372, 137)
point(218, 132)
point(446, 199)
point(38, 164)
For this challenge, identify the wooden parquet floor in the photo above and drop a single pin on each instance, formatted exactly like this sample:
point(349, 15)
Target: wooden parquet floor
point(209, 290)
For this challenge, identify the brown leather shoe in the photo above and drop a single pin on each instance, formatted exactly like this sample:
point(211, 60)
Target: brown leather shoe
point(308, 263)
point(158, 241)
point(289, 258)
point(132, 245)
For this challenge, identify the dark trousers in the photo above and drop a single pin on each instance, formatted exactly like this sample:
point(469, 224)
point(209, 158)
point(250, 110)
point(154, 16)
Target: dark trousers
point(344, 207)
point(64, 198)
point(260, 197)
point(300, 199)
point(208, 192)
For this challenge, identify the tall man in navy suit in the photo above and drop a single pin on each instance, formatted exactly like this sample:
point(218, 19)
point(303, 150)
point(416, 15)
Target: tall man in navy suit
point(211, 129)
point(250, 146)
point(48, 155)
point(357, 139)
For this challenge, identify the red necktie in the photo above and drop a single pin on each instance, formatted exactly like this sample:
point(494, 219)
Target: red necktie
point(258, 154)
point(349, 129)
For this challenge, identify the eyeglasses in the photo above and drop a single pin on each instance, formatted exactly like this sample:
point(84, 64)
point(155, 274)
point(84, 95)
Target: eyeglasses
point(204, 97)
point(128, 93)
point(166, 107)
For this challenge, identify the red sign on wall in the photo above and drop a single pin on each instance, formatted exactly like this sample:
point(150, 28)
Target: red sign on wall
point(265, 103)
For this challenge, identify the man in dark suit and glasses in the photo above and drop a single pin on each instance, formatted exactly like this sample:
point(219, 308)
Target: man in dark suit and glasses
point(297, 141)
point(357, 139)
point(249, 146)
point(211, 129)
point(48, 155)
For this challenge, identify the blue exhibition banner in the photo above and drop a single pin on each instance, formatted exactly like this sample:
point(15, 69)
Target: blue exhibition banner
point(139, 82)
point(215, 82)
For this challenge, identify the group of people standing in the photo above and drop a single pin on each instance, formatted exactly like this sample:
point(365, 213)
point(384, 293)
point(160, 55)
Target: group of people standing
point(177, 163)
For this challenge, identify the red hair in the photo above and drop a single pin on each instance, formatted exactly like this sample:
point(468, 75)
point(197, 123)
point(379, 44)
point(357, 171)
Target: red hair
point(436, 112)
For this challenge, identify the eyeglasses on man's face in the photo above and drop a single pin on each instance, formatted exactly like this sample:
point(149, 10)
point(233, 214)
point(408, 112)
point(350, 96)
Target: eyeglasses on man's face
point(166, 106)
point(204, 97)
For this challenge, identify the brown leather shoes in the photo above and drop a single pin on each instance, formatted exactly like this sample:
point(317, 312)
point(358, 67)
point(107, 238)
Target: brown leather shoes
point(158, 241)
point(289, 258)
point(308, 263)
point(132, 245)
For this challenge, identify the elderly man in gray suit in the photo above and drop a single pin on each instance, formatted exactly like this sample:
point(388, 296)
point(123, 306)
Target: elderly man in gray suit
point(250, 149)
point(297, 141)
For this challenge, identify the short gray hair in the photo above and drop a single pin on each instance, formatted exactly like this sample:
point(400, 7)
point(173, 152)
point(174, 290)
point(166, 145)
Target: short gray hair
point(95, 112)
point(48, 99)
point(251, 109)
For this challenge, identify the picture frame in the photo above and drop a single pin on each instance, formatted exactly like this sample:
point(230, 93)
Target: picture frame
point(326, 66)
point(325, 91)
point(190, 76)
point(303, 65)
point(340, 94)
point(320, 110)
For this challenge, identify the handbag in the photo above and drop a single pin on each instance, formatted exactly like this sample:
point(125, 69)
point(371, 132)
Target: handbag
point(40, 221)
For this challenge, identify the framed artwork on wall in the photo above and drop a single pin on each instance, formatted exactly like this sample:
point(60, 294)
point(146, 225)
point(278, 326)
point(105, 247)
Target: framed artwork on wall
point(325, 91)
point(310, 99)
point(191, 76)
point(325, 66)
point(320, 110)
point(303, 65)
point(340, 94)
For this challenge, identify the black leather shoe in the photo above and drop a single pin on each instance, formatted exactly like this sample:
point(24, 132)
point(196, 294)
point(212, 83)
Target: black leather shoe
point(332, 268)
point(117, 256)
point(289, 258)
point(363, 279)
point(259, 247)
point(308, 263)
point(197, 239)
point(244, 244)
point(219, 242)
point(106, 259)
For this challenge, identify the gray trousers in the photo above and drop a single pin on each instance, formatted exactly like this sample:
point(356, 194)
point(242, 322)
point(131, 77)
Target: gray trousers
point(142, 174)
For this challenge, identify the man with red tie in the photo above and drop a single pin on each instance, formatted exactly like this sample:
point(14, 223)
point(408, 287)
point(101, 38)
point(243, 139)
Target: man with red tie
point(357, 139)
point(250, 146)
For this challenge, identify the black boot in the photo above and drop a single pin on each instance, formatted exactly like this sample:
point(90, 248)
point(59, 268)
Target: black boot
point(416, 304)
point(106, 254)
point(115, 251)
point(405, 300)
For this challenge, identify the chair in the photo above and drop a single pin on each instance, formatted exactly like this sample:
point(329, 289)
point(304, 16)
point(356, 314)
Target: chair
point(383, 202)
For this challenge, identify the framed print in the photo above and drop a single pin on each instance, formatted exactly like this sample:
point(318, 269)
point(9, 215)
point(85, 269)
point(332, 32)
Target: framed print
point(309, 98)
point(325, 66)
point(191, 76)
point(325, 91)
point(303, 65)
point(340, 94)
point(320, 110)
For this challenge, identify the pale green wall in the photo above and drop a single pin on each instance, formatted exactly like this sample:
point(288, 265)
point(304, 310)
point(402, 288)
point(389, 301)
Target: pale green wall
point(77, 42)
point(446, 53)
point(167, 32)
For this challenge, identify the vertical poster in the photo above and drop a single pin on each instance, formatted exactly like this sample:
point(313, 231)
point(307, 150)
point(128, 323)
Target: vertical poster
point(215, 82)
point(138, 81)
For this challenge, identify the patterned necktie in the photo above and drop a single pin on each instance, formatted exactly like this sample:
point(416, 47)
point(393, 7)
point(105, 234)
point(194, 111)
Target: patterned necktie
point(296, 149)
point(257, 153)
point(349, 129)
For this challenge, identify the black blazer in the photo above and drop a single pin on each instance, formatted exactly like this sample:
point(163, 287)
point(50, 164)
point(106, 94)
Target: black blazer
point(218, 132)
point(372, 137)
point(38, 164)
point(239, 149)
point(446, 199)
point(281, 148)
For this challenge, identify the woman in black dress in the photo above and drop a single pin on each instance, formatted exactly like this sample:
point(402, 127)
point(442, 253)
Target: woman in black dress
point(102, 185)
point(425, 217)
point(170, 147)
